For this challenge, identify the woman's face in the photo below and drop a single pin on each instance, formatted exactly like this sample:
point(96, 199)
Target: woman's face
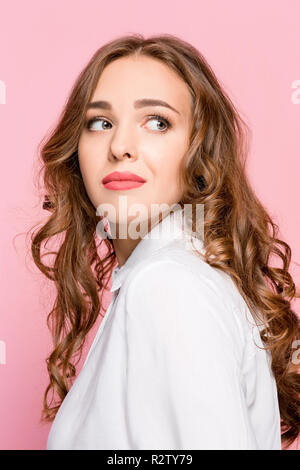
point(126, 137)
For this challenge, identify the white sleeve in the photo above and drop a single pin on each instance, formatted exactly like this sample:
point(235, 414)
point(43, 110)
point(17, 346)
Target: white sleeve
point(183, 372)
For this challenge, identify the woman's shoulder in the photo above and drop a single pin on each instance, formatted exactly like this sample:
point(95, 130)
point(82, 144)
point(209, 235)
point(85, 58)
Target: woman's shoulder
point(174, 265)
point(177, 282)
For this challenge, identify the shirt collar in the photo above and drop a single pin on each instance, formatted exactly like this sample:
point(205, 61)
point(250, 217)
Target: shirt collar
point(172, 227)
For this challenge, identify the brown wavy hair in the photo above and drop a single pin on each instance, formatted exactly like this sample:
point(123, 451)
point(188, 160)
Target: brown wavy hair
point(240, 236)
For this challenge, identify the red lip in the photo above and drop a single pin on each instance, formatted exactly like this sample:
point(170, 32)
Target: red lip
point(122, 176)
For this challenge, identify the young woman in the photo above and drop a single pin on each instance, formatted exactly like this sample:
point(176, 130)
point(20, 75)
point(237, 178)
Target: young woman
point(197, 347)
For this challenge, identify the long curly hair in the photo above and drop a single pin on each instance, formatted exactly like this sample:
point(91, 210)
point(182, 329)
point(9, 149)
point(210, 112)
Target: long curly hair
point(240, 237)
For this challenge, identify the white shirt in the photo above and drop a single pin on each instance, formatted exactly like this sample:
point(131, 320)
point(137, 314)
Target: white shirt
point(174, 363)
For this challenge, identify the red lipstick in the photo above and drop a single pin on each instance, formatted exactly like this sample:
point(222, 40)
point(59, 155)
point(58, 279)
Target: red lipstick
point(122, 180)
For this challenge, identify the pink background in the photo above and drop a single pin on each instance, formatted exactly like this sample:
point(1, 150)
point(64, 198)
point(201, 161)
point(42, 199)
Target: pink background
point(253, 46)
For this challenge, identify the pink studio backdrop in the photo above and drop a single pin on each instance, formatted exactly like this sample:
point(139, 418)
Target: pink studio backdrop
point(253, 47)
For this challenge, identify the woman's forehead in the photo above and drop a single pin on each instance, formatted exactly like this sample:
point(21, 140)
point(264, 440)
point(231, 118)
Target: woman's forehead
point(136, 79)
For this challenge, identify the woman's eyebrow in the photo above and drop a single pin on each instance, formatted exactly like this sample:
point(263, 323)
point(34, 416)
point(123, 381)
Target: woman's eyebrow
point(137, 104)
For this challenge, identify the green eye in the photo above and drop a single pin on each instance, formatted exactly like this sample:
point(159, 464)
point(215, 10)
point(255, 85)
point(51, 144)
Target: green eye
point(156, 117)
point(95, 119)
point(165, 121)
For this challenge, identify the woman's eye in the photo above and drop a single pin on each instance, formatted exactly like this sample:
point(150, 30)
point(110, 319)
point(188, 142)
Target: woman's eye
point(162, 120)
point(159, 119)
point(94, 120)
